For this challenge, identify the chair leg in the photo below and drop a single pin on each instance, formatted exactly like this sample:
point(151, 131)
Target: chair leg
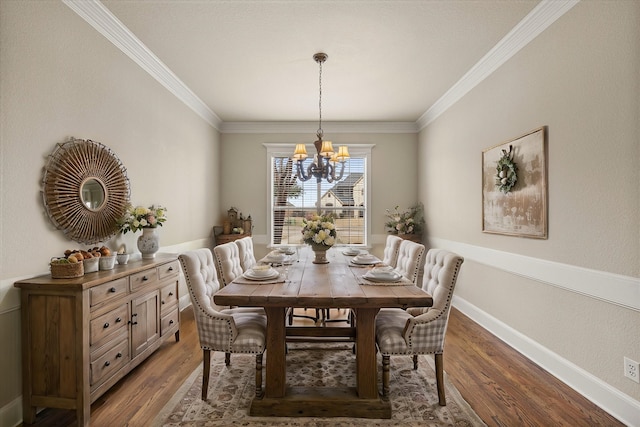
point(415, 362)
point(227, 359)
point(258, 375)
point(440, 379)
point(206, 369)
point(385, 375)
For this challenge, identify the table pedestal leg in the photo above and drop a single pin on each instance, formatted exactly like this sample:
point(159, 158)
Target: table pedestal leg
point(366, 370)
point(276, 378)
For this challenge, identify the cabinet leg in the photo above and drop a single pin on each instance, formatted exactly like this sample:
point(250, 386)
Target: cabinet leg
point(177, 334)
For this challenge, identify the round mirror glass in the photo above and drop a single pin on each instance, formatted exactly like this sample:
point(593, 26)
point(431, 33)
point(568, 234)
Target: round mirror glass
point(85, 190)
point(92, 194)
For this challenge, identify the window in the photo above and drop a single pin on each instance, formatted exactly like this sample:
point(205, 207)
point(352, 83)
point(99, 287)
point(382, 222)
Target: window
point(293, 200)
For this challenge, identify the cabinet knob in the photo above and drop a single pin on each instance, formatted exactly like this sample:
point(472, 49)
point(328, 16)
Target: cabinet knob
point(162, 302)
point(107, 363)
point(118, 320)
point(171, 322)
point(106, 325)
point(118, 356)
point(170, 268)
point(170, 294)
point(145, 278)
point(112, 290)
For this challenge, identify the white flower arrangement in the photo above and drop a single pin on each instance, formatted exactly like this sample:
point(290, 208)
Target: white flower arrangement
point(405, 222)
point(139, 217)
point(319, 230)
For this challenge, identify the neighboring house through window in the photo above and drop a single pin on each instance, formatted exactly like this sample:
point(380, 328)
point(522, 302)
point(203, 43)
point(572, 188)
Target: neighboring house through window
point(293, 200)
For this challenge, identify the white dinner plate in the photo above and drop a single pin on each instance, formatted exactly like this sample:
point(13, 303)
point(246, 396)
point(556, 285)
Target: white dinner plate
point(351, 252)
point(393, 278)
point(365, 262)
point(249, 275)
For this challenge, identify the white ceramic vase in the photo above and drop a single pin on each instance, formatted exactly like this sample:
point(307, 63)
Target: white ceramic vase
point(149, 243)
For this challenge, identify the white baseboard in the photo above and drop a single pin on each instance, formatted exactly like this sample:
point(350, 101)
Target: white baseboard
point(610, 399)
point(11, 413)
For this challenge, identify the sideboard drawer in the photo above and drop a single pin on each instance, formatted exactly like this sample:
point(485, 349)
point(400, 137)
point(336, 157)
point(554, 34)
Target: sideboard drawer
point(169, 321)
point(108, 291)
point(110, 362)
point(144, 278)
point(170, 269)
point(168, 296)
point(108, 324)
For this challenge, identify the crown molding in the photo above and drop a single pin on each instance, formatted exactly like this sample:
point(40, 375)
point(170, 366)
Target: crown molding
point(538, 20)
point(311, 127)
point(100, 18)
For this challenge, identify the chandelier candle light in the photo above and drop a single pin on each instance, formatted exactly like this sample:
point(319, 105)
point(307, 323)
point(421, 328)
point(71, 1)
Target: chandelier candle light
point(325, 161)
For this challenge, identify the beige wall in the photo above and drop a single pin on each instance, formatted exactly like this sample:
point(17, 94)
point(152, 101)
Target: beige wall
point(61, 78)
point(581, 79)
point(244, 171)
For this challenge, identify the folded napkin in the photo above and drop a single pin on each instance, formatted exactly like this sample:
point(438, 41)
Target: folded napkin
point(244, 281)
point(403, 281)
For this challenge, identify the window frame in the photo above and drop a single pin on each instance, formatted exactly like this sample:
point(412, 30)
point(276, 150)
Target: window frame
point(286, 150)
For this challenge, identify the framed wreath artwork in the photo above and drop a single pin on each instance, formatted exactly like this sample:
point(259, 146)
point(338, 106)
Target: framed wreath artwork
point(514, 187)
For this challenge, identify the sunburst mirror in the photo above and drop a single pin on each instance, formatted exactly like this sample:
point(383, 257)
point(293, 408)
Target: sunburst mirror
point(85, 190)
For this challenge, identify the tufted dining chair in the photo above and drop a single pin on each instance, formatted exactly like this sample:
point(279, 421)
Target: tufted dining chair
point(228, 330)
point(421, 330)
point(245, 252)
point(228, 262)
point(410, 262)
point(390, 255)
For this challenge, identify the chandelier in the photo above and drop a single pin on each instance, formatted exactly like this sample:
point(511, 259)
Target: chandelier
point(326, 160)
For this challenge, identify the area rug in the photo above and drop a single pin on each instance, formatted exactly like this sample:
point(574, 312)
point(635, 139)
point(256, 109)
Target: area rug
point(413, 394)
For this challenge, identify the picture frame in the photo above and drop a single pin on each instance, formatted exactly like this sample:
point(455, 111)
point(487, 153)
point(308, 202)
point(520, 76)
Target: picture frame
point(521, 209)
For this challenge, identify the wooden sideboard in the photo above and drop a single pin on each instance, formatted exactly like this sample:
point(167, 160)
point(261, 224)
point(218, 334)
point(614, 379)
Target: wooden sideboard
point(226, 238)
point(80, 336)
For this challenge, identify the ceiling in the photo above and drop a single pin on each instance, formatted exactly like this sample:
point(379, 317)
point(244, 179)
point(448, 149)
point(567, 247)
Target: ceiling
point(252, 61)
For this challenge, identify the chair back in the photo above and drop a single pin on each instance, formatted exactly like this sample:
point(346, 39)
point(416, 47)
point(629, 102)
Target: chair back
point(427, 327)
point(390, 256)
point(245, 252)
point(410, 260)
point(201, 277)
point(440, 276)
point(228, 262)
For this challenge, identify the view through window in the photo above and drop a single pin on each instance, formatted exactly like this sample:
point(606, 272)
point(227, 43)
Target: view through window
point(293, 200)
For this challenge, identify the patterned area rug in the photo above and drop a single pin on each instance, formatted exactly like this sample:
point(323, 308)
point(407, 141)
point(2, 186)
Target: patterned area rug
point(413, 395)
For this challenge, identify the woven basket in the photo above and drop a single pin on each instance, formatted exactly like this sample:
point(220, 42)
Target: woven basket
point(67, 271)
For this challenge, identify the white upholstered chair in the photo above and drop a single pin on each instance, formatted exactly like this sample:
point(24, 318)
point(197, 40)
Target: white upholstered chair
point(421, 330)
point(245, 252)
point(227, 330)
point(228, 262)
point(410, 262)
point(390, 255)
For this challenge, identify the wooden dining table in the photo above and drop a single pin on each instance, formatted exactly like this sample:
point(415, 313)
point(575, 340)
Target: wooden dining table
point(337, 284)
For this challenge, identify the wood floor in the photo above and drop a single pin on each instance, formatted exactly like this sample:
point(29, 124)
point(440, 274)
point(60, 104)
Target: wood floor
point(502, 386)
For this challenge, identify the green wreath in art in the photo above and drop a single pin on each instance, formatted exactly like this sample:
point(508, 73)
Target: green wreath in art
point(506, 171)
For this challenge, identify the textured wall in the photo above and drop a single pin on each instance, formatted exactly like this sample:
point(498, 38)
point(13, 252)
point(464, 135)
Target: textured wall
point(61, 78)
point(579, 78)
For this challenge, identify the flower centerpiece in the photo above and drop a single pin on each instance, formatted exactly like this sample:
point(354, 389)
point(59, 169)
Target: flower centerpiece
point(410, 221)
point(320, 233)
point(147, 220)
point(139, 217)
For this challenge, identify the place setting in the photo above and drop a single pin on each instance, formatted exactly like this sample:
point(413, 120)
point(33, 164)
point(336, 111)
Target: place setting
point(282, 256)
point(263, 274)
point(384, 275)
point(364, 259)
point(351, 251)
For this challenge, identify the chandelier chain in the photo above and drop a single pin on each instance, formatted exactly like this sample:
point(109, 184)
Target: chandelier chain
point(320, 133)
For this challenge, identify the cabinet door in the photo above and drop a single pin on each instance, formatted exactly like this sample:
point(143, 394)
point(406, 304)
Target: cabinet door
point(145, 322)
